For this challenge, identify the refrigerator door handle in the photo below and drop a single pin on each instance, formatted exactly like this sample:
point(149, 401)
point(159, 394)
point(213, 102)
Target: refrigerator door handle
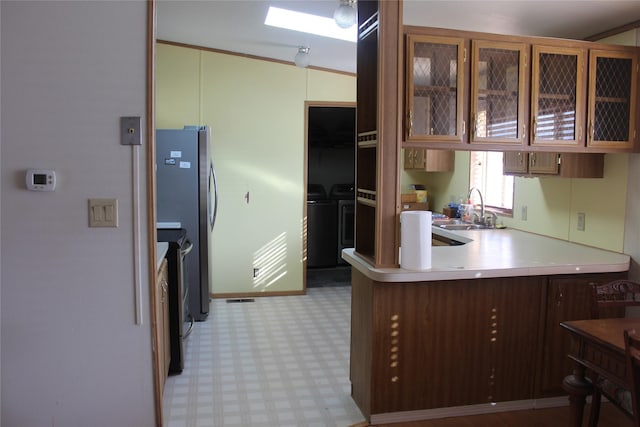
point(187, 249)
point(213, 193)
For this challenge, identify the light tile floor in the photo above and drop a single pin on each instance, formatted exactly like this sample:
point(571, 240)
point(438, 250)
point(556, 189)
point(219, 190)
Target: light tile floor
point(276, 362)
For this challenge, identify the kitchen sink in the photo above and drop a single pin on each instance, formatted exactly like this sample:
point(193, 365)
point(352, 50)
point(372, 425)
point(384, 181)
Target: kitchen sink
point(462, 226)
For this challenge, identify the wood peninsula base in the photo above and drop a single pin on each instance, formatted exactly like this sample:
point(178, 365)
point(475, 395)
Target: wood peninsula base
point(430, 349)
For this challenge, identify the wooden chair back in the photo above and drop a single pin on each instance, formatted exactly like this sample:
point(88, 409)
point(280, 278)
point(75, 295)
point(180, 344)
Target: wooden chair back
point(632, 351)
point(611, 299)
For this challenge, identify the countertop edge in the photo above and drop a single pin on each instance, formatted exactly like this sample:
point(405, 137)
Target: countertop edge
point(398, 275)
point(161, 251)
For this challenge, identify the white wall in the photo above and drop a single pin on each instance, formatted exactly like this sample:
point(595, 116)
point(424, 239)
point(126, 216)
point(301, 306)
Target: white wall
point(71, 353)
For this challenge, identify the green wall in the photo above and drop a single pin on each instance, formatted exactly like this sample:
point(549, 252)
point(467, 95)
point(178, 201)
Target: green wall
point(552, 203)
point(256, 111)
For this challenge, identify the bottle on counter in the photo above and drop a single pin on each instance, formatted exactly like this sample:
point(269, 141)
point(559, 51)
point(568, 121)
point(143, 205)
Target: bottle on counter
point(467, 211)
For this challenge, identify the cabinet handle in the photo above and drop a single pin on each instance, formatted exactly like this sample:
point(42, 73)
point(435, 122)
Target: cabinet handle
point(474, 125)
point(560, 296)
point(410, 122)
point(524, 131)
point(533, 129)
point(520, 158)
point(533, 159)
point(591, 131)
point(464, 127)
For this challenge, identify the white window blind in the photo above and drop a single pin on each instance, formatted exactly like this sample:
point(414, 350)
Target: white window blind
point(485, 173)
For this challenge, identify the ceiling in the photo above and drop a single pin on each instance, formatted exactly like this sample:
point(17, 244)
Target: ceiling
point(238, 25)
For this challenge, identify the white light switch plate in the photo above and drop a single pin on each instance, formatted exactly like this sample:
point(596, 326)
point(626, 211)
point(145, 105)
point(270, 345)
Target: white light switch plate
point(103, 212)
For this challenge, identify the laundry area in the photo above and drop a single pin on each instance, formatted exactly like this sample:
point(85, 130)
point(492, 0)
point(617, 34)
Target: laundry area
point(330, 192)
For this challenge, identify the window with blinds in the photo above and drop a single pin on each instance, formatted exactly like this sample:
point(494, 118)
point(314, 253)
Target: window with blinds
point(485, 173)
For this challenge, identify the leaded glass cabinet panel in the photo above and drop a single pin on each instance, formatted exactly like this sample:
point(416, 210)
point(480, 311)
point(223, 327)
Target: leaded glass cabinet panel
point(498, 92)
point(557, 96)
point(612, 100)
point(434, 89)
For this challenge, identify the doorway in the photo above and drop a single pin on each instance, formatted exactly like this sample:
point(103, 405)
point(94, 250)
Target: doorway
point(330, 196)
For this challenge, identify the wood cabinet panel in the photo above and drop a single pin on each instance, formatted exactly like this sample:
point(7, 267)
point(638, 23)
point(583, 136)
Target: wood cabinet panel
point(362, 323)
point(518, 302)
point(451, 343)
point(568, 298)
point(515, 163)
point(417, 347)
point(378, 57)
point(565, 165)
point(543, 163)
point(523, 163)
point(429, 160)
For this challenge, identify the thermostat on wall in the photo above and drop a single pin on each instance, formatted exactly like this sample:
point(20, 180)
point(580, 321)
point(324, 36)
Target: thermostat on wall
point(41, 180)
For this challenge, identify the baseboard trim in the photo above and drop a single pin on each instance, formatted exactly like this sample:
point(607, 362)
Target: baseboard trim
point(256, 294)
point(461, 411)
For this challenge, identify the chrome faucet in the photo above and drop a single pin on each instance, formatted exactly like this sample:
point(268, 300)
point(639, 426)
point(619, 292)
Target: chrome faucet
point(481, 202)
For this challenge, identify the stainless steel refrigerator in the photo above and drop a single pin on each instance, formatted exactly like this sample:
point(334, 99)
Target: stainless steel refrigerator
point(187, 198)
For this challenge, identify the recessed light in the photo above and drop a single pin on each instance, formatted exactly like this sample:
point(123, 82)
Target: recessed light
point(307, 23)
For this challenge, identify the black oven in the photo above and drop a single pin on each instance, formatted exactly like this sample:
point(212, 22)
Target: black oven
point(180, 320)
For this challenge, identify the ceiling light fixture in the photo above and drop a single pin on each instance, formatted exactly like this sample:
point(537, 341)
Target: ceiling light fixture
point(345, 14)
point(302, 57)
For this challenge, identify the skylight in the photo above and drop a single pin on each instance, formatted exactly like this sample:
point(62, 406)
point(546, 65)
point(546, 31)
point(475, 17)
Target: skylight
point(306, 23)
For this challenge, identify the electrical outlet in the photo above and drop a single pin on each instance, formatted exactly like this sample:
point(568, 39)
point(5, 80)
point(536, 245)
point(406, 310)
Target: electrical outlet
point(523, 213)
point(580, 225)
point(256, 271)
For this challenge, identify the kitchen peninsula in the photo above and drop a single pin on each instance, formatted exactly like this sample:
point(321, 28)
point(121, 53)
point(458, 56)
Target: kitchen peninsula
point(478, 332)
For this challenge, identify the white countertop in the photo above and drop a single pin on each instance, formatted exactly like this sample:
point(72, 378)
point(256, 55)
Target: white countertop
point(498, 253)
point(161, 252)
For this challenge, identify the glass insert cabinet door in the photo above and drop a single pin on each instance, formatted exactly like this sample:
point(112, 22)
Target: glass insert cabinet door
point(434, 89)
point(612, 100)
point(557, 94)
point(498, 92)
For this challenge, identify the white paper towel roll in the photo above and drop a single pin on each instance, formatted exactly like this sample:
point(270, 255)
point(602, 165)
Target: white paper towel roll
point(415, 240)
